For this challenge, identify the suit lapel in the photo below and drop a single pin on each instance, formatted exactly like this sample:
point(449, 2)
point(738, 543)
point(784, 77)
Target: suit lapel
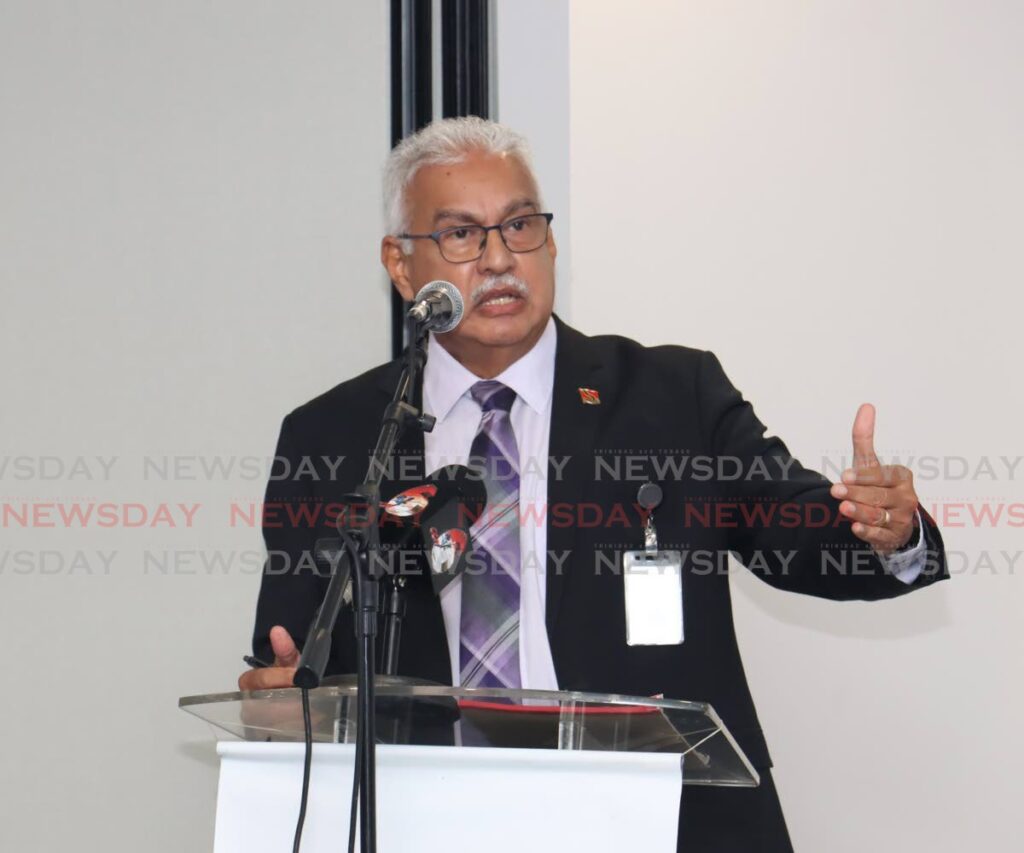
point(574, 427)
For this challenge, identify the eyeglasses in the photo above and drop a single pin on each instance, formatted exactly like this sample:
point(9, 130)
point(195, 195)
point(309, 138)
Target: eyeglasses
point(463, 243)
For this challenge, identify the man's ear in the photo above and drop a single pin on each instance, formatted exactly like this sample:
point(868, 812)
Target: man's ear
point(396, 262)
point(552, 248)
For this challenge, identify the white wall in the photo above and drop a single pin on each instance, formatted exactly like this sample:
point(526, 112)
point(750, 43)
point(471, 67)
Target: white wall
point(828, 194)
point(189, 218)
point(531, 94)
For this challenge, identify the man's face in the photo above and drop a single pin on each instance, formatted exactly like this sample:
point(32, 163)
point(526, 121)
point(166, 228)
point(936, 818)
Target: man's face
point(503, 323)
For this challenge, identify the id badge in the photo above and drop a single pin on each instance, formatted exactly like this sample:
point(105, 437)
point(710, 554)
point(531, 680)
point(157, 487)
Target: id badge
point(654, 597)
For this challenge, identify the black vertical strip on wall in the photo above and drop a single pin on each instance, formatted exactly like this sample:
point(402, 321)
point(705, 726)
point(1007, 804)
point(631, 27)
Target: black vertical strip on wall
point(411, 100)
point(465, 58)
point(465, 80)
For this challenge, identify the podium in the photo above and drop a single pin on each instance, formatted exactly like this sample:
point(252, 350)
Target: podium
point(461, 768)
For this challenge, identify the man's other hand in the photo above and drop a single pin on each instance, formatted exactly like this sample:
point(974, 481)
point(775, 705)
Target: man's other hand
point(879, 499)
point(286, 659)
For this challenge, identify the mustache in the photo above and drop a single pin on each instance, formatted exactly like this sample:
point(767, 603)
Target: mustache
point(496, 282)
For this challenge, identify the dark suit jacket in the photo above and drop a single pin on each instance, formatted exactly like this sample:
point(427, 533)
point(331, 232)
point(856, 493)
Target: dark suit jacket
point(666, 402)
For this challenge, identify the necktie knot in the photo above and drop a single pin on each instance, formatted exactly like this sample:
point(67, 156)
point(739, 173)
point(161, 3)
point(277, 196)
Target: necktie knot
point(491, 396)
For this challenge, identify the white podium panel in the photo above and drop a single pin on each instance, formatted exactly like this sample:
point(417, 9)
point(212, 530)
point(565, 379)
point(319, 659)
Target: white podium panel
point(433, 798)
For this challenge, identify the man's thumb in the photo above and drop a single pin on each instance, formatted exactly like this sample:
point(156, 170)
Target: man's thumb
point(285, 651)
point(864, 437)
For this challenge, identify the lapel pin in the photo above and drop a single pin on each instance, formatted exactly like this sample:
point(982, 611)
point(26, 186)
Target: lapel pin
point(589, 397)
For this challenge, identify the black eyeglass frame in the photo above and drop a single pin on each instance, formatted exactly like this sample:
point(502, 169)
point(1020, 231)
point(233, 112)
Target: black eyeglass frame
point(436, 236)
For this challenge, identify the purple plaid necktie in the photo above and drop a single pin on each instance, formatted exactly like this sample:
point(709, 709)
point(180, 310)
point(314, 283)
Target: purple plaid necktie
point(489, 646)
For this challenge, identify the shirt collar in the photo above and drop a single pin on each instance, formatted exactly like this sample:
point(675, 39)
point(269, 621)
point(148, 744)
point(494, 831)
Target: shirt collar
point(532, 377)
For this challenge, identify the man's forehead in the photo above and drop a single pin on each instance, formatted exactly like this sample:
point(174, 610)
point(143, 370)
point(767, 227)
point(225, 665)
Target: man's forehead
point(479, 184)
point(523, 204)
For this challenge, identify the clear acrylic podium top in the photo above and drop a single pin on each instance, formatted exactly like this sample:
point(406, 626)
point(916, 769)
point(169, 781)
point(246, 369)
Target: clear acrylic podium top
point(432, 715)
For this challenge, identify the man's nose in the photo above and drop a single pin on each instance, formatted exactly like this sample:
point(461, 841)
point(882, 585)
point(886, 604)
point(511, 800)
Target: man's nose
point(496, 257)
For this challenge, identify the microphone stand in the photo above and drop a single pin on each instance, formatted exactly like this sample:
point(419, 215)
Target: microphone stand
point(361, 535)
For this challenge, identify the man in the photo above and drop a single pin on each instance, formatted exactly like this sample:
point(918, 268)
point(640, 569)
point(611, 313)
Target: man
point(512, 385)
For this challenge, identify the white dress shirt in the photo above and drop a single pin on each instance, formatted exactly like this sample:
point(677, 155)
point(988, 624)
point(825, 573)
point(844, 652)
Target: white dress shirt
point(446, 385)
point(446, 396)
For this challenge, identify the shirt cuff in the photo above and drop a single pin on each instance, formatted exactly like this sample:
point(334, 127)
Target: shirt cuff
point(906, 566)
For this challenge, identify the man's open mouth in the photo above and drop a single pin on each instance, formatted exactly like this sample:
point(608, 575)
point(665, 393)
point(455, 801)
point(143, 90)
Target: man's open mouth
point(502, 296)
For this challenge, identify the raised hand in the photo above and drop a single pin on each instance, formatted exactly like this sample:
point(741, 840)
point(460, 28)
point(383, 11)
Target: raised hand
point(879, 499)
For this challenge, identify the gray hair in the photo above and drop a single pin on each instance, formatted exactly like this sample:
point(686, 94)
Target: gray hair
point(443, 142)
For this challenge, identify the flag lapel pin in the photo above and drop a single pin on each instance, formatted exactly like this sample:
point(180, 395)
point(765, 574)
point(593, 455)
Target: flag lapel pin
point(589, 397)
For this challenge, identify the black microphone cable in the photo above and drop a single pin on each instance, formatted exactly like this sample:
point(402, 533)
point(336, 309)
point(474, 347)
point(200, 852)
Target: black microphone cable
point(354, 808)
point(306, 767)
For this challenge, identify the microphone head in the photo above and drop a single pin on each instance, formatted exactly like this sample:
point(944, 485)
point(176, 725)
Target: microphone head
point(445, 319)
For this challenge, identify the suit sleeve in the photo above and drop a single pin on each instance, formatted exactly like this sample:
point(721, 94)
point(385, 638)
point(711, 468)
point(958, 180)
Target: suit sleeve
point(791, 533)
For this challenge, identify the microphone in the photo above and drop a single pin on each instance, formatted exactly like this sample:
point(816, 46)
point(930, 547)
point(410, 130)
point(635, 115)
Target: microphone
point(446, 522)
point(438, 307)
point(451, 484)
point(442, 509)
